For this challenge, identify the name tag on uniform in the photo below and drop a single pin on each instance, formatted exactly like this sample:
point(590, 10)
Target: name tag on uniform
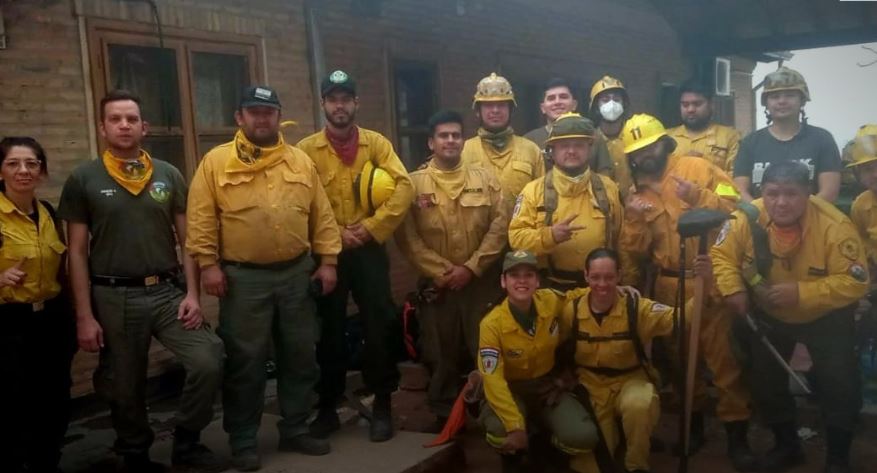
point(473, 190)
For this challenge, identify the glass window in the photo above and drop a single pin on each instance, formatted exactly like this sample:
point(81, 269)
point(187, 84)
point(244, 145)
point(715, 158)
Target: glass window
point(151, 73)
point(415, 99)
point(219, 79)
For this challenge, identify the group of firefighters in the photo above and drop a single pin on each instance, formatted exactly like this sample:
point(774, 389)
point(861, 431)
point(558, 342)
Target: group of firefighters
point(550, 262)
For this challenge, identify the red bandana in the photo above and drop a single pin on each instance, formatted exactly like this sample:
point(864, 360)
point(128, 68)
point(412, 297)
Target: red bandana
point(345, 147)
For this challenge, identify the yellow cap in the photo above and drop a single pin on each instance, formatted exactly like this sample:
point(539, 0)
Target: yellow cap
point(604, 84)
point(494, 88)
point(864, 147)
point(640, 131)
point(373, 186)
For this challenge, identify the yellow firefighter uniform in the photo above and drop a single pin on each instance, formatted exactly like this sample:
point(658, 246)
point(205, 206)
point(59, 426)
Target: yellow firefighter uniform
point(37, 247)
point(864, 215)
point(718, 144)
point(564, 262)
point(519, 163)
point(458, 218)
point(828, 263)
point(513, 363)
point(608, 365)
point(653, 236)
point(620, 171)
point(280, 194)
point(339, 179)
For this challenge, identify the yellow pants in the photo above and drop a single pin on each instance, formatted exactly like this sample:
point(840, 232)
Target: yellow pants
point(636, 403)
point(714, 350)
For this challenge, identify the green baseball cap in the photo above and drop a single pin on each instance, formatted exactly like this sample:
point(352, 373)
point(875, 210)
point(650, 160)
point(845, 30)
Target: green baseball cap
point(517, 258)
point(571, 125)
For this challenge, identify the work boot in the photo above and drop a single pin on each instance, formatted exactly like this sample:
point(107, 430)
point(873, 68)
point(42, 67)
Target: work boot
point(739, 452)
point(696, 439)
point(306, 444)
point(140, 463)
point(190, 452)
point(381, 428)
point(838, 450)
point(512, 463)
point(786, 452)
point(246, 459)
point(325, 423)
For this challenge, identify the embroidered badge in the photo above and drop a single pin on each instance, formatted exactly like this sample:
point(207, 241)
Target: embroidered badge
point(658, 307)
point(489, 359)
point(850, 249)
point(473, 190)
point(263, 94)
point(858, 272)
point(726, 227)
point(554, 326)
point(517, 205)
point(338, 77)
point(159, 191)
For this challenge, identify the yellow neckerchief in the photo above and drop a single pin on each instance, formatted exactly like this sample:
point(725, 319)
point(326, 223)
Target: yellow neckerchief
point(250, 158)
point(571, 186)
point(132, 174)
point(451, 181)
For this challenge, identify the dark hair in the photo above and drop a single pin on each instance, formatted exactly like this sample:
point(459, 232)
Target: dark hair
point(789, 172)
point(117, 95)
point(598, 253)
point(693, 86)
point(10, 141)
point(444, 116)
point(558, 82)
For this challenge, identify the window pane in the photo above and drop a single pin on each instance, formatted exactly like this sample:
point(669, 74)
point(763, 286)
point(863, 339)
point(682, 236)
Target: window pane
point(219, 79)
point(415, 91)
point(150, 73)
point(167, 148)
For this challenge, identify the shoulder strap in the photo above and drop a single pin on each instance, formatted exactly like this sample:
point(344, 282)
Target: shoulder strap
point(549, 197)
point(603, 202)
point(632, 322)
point(760, 240)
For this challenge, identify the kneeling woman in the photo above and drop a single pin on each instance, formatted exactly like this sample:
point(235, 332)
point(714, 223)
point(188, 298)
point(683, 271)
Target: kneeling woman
point(609, 331)
point(517, 343)
point(38, 337)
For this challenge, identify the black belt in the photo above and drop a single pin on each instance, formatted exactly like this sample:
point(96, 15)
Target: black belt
point(275, 265)
point(610, 372)
point(141, 281)
point(689, 273)
point(23, 307)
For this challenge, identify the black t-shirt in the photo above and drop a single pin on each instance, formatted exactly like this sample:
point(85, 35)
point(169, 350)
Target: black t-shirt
point(131, 235)
point(812, 146)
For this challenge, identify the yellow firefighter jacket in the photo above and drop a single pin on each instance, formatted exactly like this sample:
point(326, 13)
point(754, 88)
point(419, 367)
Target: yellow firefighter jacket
point(506, 352)
point(457, 218)
point(828, 263)
point(338, 180)
point(864, 215)
point(717, 144)
point(518, 164)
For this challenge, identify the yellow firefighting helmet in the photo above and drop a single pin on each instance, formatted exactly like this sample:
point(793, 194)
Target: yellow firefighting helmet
point(785, 79)
point(604, 84)
point(494, 88)
point(571, 125)
point(373, 187)
point(640, 131)
point(864, 146)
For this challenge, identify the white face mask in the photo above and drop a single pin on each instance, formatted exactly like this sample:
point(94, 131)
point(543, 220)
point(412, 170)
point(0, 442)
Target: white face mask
point(611, 110)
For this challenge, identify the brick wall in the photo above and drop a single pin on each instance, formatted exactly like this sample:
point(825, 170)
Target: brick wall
point(43, 89)
point(741, 86)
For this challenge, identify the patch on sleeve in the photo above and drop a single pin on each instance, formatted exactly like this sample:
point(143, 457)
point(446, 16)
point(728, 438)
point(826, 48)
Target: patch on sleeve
point(850, 249)
point(726, 227)
point(554, 326)
point(489, 359)
point(518, 202)
point(858, 272)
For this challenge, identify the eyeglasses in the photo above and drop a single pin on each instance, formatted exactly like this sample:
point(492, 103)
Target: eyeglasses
point(29, 164)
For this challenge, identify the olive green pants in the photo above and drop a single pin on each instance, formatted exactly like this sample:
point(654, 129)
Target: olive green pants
point(130, 317)
point(261, 306)
point(572, 429)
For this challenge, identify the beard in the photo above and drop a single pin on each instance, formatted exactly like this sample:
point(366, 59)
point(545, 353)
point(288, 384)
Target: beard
point(340, 120)
point(651, 166)
point(696, 124)
point(572, 171)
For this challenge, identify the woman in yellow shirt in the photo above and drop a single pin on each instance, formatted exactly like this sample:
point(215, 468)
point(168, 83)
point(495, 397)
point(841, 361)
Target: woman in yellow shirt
point(38, 338)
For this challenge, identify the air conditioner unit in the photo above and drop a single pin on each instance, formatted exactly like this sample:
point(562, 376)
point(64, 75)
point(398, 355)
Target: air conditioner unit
point(723, 76)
